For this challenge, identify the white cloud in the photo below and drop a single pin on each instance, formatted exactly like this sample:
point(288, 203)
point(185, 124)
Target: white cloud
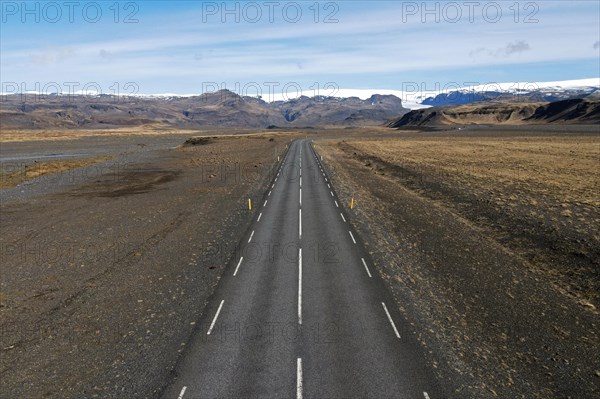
point(51, 55)
point(509, 49)
point(178, 47)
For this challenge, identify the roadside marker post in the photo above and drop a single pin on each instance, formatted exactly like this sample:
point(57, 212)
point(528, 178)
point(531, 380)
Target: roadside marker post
point(352, 203)
point(249, 203)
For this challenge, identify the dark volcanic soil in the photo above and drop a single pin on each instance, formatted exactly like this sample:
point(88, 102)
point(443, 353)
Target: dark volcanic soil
point(499, 276)
point(102, 281)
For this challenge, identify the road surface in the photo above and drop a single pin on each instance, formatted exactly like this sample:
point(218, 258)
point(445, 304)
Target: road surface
point(300, 311)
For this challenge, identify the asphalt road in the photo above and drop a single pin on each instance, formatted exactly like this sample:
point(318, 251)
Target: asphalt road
point(300, 311)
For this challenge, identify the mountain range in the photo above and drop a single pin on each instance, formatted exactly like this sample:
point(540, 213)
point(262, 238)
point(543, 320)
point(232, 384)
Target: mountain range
point(567, 101)
point(219, 109)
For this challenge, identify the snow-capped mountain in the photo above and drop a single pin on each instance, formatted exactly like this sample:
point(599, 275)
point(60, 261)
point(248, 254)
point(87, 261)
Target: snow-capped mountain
point(517, 92)
point(420, 96)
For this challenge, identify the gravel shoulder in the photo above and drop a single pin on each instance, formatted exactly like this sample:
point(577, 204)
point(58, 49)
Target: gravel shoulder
point(481, 254)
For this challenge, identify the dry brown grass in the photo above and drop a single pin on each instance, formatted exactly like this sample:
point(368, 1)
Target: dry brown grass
point(14, 178)
point(563, 168)
point(8, 135)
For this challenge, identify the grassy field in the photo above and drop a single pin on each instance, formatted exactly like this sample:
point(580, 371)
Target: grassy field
point(512, 186)
point(565, 169)
point(489, 241)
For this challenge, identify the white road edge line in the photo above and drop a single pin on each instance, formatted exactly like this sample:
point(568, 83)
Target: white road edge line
point(299, 379)
point(265, 204)
point(343, 218)
point(390, 319)
point(251, 235)
point(212, 325)
point(238, 266)
point(336, 204)
point(366, 268)
point(331, 193)
point(259, 216)
point(182, 393)
point(352, 236)
point(300, 197)
point(299, 285)
point(270, 193)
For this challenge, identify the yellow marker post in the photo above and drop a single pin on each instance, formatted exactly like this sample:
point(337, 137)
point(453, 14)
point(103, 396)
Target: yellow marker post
point(352, 203)
point(249, 203)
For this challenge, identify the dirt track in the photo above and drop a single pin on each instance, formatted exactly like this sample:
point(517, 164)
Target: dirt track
point(490, 246)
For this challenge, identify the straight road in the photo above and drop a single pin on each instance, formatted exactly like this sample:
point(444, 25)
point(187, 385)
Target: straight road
point(300, 311)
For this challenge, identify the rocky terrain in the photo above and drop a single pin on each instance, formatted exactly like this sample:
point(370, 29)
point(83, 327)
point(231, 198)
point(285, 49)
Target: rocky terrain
point(106, 268)
point(220, 109)
point(575, 111)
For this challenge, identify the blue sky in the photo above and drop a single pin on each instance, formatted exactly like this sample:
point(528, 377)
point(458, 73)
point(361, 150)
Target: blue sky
point(183, 47)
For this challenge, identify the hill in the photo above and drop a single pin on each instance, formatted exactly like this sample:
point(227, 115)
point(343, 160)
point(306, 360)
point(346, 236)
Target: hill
point(582, 111)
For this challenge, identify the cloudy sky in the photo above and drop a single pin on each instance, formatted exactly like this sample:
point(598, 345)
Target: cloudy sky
point(188, 47)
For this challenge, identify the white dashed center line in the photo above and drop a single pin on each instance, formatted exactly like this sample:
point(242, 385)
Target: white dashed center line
point(300, 286)
point(300, 222)
point(343, 218)
point(425, 395)
point(259, 216)
point(265, 204)
point(299, 379)
point(336, 204)
point(182, 393)
point(212, 325)
point(390, 319)
point(251, 235)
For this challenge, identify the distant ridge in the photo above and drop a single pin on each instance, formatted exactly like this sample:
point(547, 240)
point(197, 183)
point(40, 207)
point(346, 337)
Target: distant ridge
point(573, 111)
point(419, 95)
point(220, 109)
